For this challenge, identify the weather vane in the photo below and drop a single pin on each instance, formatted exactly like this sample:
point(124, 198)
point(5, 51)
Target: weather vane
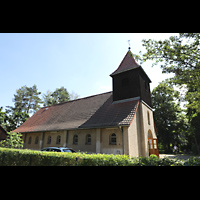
point(129, 45)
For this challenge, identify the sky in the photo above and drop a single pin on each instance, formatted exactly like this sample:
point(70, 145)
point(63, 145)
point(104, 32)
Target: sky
point(81, 62)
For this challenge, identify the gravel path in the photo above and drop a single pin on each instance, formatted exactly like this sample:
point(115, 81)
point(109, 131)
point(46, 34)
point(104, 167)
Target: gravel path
point(181, 157)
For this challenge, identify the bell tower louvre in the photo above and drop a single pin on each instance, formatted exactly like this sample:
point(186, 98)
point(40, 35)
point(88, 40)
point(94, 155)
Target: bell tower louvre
point(131, 81)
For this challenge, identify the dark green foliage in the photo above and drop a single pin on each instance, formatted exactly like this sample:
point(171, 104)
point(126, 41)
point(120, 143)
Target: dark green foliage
point(170, 121)
point(193, 161)
point(26, 101)
point(180, 56)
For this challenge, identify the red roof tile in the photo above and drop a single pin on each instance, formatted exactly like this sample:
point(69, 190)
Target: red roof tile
point(90, 112)
point(127, 63)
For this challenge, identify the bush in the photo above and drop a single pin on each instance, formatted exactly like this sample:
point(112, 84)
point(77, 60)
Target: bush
point(193, 161)
point(23, 157)
point(153, 160)
point(13, 140)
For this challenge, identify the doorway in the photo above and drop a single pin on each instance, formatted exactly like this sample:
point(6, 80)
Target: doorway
point(153, 144)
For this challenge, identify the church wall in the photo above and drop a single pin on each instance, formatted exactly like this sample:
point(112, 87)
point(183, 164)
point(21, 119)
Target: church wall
point(32, 145)
point(145, 127)
point(108, 148)
point(134, 137)
point(82, 146)
point(54, 135)
point(99, 140)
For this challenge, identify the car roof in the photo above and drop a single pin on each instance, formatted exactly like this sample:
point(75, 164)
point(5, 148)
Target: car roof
point(57, 148)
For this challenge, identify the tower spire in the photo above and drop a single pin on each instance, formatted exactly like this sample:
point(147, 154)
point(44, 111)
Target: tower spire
point(129, 45)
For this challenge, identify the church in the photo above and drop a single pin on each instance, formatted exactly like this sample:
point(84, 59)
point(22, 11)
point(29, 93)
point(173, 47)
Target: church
point(116, 122)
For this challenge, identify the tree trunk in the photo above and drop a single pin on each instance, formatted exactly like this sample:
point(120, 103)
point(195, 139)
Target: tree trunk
point(196, 144)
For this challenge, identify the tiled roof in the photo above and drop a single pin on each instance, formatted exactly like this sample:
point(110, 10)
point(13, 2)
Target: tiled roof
point(90, 112)
point(127, 63)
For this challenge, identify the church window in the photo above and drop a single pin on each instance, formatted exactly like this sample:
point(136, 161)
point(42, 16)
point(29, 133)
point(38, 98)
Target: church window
point(58, 139)
point(88, 139)
point(49, 140)
point(148, 117)
point(29, 140)
point(125, 82)
point(36, 140)
point(75, 139)
point(113, 138)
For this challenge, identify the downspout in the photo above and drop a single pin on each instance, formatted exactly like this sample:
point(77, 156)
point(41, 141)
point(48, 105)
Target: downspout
point(122, 130)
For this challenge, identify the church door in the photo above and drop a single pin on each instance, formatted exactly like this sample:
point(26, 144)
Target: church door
point(153, 144)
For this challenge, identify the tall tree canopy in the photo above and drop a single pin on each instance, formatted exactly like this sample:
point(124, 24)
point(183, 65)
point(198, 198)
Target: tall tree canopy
point(60, 95)
point(179, 55)
point(169, 119)
point(26, 101)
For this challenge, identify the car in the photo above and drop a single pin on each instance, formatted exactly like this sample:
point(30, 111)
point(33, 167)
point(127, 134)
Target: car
point(59, 149)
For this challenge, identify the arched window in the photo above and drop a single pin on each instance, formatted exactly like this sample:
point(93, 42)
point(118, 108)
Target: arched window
point(148, 117)
point(125, 82)
point(150, 134)
point(29, 140)
point(49, 140)
point(88, 139)
point(58, 139)
point(36, 140)
point(113, 138)
point(75, 139)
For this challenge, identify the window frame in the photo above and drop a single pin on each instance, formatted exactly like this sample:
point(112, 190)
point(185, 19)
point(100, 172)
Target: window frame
point(29, 140)
point(58, 139)
point(88, 137)
point(75, 139)
point(148, 118)
point(49, 140)
point(113, 136)
point(36, 139)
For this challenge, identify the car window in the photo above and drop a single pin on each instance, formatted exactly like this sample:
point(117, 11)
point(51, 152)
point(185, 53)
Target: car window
point(66, 150)
point(45, 150)
point(56, 150)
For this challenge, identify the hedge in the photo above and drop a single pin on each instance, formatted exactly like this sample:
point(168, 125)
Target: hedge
point(23, 157)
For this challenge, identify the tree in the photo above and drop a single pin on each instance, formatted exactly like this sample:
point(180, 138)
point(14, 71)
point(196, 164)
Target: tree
point(13, 140)
point(168, 116)
point(60, 95)
point(179, 55)
point(26, 101)
point(2, 116)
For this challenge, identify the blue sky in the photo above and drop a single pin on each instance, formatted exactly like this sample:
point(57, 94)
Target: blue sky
point(80, 62)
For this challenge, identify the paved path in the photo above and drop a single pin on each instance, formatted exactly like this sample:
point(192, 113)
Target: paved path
point(181, 157)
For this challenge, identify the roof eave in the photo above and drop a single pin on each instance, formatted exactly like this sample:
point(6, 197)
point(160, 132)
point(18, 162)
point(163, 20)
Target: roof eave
point(79, 128)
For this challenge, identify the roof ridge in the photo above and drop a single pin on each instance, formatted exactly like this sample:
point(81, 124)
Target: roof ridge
point(77, 99)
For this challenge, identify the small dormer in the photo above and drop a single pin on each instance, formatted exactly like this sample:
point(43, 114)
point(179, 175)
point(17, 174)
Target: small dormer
point(131, 81)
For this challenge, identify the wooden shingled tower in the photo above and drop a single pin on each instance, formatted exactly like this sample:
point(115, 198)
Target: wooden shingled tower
point(131, 81)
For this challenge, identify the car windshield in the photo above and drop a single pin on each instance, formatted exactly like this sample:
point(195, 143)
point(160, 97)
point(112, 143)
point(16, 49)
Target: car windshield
point(67, 150)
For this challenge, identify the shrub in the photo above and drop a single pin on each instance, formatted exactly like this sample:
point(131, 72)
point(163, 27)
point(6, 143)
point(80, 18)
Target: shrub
point(13, 140)
point(193, 161)
point(23, 157)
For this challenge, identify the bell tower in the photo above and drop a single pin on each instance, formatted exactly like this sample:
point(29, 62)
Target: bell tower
point(131, 81)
